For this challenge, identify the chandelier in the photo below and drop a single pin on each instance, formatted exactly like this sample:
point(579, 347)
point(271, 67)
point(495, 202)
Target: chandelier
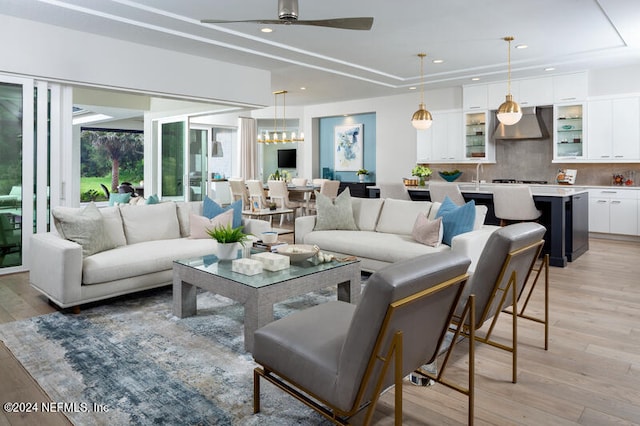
point(279, 136)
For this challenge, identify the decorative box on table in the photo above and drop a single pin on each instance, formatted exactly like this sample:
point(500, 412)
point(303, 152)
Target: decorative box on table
point(246, 266)
point(272, 261)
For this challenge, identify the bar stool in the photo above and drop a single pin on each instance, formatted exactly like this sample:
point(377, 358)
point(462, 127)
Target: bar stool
point(514, 203)
point(439, 190)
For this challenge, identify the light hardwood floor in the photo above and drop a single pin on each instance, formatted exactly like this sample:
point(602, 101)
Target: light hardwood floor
point(589, 376)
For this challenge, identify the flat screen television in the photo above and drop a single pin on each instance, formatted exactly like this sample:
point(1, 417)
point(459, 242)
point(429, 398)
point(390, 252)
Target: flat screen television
point(287, 158)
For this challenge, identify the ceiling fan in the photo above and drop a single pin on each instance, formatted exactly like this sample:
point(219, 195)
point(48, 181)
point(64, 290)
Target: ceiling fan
point(288, 15)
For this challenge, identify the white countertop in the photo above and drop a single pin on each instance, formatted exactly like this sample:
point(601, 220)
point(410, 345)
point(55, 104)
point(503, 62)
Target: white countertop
point(542, 190)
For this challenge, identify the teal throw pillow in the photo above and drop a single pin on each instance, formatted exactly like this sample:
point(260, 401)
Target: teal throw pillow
point(456, 219)
point(211, 209)
point(153, 199)
point(337, 214)
point(115, 198)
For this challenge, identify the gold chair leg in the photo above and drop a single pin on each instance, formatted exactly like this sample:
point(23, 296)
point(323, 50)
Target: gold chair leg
point(256, 391)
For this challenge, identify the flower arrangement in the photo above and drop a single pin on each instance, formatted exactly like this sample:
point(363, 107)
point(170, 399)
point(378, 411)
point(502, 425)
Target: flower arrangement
point(422, 172)
point(280, 175)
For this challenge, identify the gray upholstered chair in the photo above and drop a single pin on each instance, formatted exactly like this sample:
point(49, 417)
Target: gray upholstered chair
point(514, 203)
point(499, 280)
point(345, 355)
point(439, 190)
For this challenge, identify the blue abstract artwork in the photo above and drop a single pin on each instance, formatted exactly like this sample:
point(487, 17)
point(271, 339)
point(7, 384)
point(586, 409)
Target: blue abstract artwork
point(348, 156)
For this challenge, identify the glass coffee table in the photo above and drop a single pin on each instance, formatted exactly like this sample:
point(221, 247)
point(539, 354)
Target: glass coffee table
point(259, 292)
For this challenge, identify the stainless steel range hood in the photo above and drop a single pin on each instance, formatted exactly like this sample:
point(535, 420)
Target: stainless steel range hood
point(530, 126)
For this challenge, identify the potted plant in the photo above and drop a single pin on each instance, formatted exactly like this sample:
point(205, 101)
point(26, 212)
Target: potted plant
point(421, 172)
point(228, 239)
point(362, 173)
point(280, 175)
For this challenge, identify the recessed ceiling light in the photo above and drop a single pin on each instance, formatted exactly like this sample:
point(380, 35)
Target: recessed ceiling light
point(549, 69)
point(521, 46)
point(438, 61)
point(475, 78)
point(303, 88)
point(412, 88)
point(266, 30)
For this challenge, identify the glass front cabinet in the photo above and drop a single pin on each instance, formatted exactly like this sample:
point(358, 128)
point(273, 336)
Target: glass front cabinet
point(476, 139)
point(568, 136)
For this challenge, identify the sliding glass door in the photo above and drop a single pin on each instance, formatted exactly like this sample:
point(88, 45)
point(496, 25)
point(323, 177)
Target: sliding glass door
point(11, 160)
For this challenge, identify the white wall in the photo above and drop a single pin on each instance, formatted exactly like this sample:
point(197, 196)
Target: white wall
point(395, 137)
point(54, 53)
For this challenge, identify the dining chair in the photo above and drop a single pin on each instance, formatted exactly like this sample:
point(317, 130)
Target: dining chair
point(256, 193)
point(239, 192)
point(299, 196)
point(279, 193)
point(439, 190)
point(338, 358)
point(514, 203)
point(327, 187)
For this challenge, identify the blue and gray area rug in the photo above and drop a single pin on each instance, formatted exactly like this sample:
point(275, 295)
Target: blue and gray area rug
point(149, 367)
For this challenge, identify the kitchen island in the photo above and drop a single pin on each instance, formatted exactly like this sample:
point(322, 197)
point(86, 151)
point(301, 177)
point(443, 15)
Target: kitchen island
point(565, 214)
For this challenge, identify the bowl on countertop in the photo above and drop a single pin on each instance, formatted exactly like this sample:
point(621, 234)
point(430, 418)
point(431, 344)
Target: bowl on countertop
point(450, 177)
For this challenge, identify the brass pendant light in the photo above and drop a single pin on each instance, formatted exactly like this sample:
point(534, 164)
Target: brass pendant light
point(421, 119)
point(509, 112)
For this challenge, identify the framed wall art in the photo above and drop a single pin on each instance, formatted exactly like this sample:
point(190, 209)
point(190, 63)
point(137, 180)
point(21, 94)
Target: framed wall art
point(348, 144)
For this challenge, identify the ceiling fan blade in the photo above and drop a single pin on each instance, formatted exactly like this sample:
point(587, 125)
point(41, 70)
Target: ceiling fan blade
point(363, 23)
point(254, 21)
point(342, 23)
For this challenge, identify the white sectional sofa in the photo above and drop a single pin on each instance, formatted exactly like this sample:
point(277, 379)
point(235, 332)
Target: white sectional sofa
point(384, 233)
point(147, 239)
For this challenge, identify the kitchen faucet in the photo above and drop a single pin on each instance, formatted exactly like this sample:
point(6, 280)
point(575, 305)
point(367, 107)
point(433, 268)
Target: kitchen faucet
point(479, 167)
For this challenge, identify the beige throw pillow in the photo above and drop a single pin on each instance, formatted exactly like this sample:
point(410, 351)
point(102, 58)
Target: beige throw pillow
point(428, 232)
point(336, 214)
point(85, 227)
point(200, 224)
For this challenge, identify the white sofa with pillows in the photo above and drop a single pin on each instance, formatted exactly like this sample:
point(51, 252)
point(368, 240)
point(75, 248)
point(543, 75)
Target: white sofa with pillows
point(382, 231)
point(101, 253)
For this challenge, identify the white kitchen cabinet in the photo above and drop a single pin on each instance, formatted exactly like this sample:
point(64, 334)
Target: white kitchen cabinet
point(626, 129)
point(570, 87)
point(535, 91)
point(478, 146)
point(614, 211)
point(442, 142)
point(599, 129)
point(613, 126)
point(568, 137)
point(474, 97)
point(497, 92)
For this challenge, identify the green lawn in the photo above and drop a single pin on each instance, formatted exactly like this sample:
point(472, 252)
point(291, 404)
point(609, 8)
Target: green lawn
point(87, 183)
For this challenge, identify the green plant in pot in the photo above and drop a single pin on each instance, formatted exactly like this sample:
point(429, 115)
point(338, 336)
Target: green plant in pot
point(362, 173)
point(228, 239)
point(421, 172)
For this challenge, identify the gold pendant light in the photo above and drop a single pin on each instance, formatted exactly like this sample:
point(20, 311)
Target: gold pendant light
point(421, 119)
point(509, 112)
point(274, 136)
